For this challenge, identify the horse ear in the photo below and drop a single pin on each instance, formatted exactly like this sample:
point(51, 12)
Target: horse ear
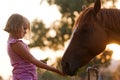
point(97, 6)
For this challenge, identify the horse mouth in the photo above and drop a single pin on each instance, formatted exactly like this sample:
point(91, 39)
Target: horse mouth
point(69, 70)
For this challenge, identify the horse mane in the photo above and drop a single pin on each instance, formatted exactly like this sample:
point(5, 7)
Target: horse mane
point(109, 19)
point(106, 18)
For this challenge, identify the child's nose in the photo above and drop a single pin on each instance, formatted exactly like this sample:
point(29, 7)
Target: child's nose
point(24, 32)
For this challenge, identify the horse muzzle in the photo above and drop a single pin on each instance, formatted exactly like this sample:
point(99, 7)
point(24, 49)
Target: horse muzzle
point(69, 69)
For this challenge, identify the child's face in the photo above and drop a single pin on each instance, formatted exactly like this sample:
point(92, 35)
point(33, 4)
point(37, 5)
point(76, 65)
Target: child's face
point(23, 32)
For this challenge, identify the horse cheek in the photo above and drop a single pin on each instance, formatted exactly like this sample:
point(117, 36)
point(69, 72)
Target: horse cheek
point(98, 42)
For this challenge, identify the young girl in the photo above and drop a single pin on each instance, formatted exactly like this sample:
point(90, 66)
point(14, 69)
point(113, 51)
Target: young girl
point(24, 64)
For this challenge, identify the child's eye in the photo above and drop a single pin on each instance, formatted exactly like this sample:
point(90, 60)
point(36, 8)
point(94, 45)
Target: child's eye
point(25, 28)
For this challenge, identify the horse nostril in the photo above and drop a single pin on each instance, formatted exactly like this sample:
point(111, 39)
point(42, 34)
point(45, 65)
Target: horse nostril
point(67, 65)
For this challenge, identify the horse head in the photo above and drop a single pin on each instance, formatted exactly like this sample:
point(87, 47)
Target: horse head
point(87, 41)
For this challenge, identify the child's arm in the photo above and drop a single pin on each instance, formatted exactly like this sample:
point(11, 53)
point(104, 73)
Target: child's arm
point(24, 53)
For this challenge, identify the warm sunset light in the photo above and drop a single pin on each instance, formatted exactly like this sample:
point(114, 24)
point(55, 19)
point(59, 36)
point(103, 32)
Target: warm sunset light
point(32, 9)
point(114, 47)
point(118, 4)
point(116, 51)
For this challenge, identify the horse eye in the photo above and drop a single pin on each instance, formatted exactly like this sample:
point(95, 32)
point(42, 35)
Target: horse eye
point(86, 29)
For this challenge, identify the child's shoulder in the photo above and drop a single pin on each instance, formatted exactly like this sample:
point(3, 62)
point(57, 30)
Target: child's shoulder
point(12, 40)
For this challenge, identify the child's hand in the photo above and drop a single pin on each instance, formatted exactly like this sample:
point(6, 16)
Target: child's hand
point(60, 72)
point(44, 61)
point(55, 70)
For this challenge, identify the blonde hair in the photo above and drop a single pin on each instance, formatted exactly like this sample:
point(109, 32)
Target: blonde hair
point(15, 23)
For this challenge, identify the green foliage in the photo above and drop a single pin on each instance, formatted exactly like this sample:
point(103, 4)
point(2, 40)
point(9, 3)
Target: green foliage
point(52, 76)
point(47, 75)
point(41, 36)
point(52, 37)
point(67, 7)
point(38, 34)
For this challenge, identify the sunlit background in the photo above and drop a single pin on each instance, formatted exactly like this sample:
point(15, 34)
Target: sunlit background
point(33, 9)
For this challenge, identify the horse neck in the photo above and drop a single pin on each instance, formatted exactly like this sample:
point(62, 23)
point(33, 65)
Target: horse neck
point(113, 37)
point(109, 19)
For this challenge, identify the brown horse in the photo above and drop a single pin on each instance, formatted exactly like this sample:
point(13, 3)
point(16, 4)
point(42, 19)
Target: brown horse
point(93, 30)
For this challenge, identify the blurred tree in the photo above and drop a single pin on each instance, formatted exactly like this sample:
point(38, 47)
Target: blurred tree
point(54, 37)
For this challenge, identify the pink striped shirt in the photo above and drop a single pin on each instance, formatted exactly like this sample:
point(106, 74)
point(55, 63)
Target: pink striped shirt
point(22, 69)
